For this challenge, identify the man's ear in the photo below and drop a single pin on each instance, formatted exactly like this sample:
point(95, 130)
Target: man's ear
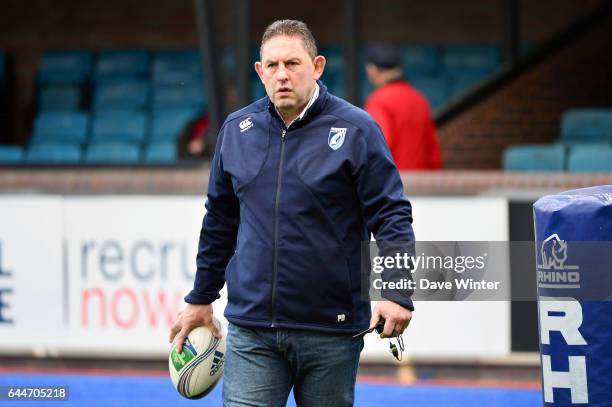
point(259, 70)
point(319, 66)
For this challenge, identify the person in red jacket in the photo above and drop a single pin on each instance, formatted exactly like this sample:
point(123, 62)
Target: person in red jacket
point(401, 111)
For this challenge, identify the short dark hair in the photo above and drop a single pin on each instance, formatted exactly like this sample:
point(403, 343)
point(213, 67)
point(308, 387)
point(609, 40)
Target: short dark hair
point(290, 28)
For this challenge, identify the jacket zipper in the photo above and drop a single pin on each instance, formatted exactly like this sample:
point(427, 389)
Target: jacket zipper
point(276, 224)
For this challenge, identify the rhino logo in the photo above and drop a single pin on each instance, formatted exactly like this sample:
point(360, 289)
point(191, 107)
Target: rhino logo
point(554, 252)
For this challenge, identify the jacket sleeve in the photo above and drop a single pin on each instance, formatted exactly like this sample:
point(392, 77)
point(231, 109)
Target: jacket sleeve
point(387, 212)
point(218, 233)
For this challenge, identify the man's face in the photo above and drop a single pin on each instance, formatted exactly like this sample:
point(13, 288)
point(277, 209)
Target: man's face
point(374, 75)
point(288, 73)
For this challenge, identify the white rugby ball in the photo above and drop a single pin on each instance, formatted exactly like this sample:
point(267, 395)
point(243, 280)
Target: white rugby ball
point(197, 369)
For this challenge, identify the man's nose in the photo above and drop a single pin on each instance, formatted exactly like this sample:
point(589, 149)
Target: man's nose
point(281, 73)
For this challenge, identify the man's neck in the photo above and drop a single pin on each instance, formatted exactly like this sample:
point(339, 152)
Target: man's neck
point(390, 75)
point(290, 116)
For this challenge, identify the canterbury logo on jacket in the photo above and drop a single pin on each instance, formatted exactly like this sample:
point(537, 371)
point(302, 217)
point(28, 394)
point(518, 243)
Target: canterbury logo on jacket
point(288, 210)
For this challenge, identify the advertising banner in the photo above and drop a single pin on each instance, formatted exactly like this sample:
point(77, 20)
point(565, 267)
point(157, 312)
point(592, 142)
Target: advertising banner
point(106, 276)
point(31, 273)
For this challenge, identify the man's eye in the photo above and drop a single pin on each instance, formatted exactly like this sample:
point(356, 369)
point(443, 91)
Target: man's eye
point(271, 65)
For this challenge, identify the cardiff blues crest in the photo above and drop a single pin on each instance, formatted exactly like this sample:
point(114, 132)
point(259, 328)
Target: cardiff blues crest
point(336, 137)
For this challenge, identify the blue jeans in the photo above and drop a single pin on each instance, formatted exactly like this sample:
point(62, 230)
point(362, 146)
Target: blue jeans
point(263, 364)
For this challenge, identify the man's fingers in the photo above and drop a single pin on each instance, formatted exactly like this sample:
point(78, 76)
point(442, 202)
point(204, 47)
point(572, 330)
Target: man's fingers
point(215, 329)
point(389, 328)
point(180, 338)
point(173, 331)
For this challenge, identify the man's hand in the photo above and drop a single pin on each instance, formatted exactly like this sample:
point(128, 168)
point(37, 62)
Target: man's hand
point(396, 318)
point(192, 317)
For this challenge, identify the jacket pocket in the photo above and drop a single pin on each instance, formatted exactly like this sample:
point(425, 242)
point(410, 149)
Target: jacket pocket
point(248, 280)
point(314, 286)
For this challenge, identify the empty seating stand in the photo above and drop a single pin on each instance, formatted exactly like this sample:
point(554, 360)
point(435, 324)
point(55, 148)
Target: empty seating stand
point(586, 126)
point(534, 157)
point(65, 67)
point(439, 72)
point(176, 67)
point(60, 127)
point(590, 158)
point(585, 144)
point(173, 96)
point(167, 124)
point(465, 65)
point(53, 153)
point(60, 97)
point(10, 155)
point(113, 153)
point(151, 96)
point(121, 93)
point(122, 64)
point(161, 152)
point(119, 125)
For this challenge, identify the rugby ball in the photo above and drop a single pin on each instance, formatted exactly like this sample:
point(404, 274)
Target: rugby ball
point(197, 369)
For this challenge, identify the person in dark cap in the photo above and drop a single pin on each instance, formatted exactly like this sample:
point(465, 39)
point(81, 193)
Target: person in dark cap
point(401, 111)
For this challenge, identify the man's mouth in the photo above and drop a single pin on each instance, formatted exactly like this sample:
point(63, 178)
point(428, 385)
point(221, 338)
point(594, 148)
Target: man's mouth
point(283, 90)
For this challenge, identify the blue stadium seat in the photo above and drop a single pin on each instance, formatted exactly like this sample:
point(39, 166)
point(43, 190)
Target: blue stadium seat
point(61, 127)
point(420, 58)
point(53, 153)
point(334, 59)
point(121, 93)
point(590, 158)
point(65, 66)
point(112, 153)
point(332, 80)
point(365, 88)
point(129, 63)
point(459, 82)
point(167, 124)
point(119, 125)
point(229, 60)
point(333, 75)
point(258, 90)
point(587, 125)
point(161, 153)
point(534, 157)
point(59, 97)
point(191, 95)
point(473, 58)
point(177, 66)
point(335, 87)
point(11, 154)
point(433, 86)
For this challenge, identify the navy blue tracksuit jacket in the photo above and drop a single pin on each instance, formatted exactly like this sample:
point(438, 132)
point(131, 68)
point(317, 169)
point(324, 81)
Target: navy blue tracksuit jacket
point(288, 210)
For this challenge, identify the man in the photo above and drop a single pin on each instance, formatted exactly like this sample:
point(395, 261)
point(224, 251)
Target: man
point(297, 182)
point(401, 111)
